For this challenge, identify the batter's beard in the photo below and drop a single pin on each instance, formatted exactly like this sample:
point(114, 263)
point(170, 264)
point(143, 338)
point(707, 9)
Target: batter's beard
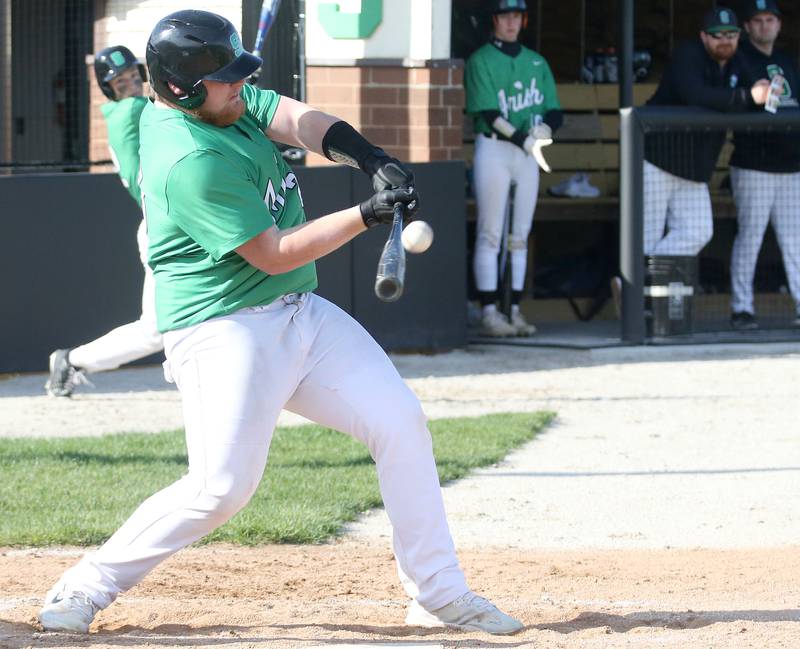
point(226, 117)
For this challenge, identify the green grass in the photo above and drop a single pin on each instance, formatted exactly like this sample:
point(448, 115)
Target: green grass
point(77, 491)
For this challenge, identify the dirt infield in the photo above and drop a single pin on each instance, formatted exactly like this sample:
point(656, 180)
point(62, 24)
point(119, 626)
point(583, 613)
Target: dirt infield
point(661, 509)
point(347, 594)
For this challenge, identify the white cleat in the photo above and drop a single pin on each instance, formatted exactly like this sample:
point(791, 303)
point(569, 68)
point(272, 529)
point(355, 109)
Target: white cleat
point(70, 611)
point(523, 327)
point(495, 325)
point(470, 612)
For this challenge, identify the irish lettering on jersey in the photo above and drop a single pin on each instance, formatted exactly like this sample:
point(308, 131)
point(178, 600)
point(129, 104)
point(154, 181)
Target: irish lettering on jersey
point(523, 99)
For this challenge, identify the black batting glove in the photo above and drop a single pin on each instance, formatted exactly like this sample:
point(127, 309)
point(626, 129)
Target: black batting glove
point(387, 172)
point(379, 208)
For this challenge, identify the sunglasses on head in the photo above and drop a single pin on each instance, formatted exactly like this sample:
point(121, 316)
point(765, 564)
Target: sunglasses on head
point(728, 36)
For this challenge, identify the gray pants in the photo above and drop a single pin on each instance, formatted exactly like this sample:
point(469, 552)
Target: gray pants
point(762, 197)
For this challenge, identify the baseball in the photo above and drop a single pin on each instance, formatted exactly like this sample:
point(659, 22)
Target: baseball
point(417, 237)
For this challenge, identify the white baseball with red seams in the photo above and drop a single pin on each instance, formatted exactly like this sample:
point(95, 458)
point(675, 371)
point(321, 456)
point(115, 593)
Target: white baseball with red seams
point(417, 237)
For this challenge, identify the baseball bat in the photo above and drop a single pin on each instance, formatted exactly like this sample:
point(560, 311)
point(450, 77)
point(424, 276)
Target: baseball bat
point(392, 264)
point(269, 9)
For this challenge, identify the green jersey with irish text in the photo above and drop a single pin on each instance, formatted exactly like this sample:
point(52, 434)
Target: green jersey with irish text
point(208, 190)
point(522, 87)
point(122, 120)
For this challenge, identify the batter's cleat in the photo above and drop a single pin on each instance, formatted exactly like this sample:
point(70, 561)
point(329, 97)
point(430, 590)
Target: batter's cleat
point(495, 325)
point(469, 612)
point(743, 321)
point(70, 611)
point(523, 327)
point(64, 376)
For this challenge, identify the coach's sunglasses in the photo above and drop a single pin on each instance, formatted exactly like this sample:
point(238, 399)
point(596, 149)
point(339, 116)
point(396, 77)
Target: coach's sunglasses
point(728, 36)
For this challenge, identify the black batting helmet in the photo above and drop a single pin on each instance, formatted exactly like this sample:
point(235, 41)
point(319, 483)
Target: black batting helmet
point(188, 47)
point(110, 63)
point(506, 6)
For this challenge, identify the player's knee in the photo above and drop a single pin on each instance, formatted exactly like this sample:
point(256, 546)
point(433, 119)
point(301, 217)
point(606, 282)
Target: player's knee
point(151, 336)
point(487, 241)
point(224, 496)
point(517, 243)
point(401, 428)
point(704, 235)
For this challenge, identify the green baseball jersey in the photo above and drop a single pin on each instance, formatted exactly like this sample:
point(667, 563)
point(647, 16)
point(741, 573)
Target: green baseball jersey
point(522, 88)
point(122, 121)
point(206, 191)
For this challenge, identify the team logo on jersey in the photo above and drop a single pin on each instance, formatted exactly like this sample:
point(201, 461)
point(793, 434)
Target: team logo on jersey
point(733, 80)
point(773, 70)
point(524, 98)
point(276, 200)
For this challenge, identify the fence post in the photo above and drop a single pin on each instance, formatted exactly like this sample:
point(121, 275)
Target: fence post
point(625, 51)
point(631, 226)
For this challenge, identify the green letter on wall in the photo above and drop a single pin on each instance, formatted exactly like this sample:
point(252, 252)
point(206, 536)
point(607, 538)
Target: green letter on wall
point(351, 25)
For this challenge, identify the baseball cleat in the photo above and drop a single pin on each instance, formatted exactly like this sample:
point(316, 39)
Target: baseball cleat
point(70, 611)
point(495, 325)
point(64, 376)
point(469, 612)
point(523, 327)
point(743, 321)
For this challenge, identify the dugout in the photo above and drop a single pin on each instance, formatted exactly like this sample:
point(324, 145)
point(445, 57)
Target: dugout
point(402, 85)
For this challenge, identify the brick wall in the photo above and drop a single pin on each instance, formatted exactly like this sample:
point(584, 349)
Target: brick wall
point(129, 23)
point(415, 114)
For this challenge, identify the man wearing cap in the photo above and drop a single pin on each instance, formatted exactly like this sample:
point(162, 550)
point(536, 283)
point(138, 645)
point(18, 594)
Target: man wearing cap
point(244, 334)
point(765, 172)
point(706, 72)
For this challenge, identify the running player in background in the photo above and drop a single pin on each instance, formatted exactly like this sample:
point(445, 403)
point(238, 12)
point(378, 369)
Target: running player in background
point(765, 172)
point(511, 95)
point(120, 77)
point(233, 257)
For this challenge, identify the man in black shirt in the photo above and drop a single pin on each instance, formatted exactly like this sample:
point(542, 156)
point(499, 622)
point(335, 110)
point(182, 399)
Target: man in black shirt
point(706, 72)
point(765, 172)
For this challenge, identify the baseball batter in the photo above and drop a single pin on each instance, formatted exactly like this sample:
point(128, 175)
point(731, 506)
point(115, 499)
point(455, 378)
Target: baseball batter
point(765, 172)
point(233, 257)
point(119, 76)
point(678, 166)
point(511, 95)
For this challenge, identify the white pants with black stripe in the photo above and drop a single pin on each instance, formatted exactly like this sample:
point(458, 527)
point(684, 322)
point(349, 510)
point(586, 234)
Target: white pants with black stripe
point(497, 164)
point(677, 214)
point(762, 198)
point(127, 342)
point(235, 373)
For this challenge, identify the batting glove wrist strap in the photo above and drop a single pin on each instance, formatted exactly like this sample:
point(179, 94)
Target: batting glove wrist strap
point(343, 144)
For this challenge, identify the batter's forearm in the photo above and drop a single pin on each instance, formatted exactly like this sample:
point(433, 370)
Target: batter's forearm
point(277, 251)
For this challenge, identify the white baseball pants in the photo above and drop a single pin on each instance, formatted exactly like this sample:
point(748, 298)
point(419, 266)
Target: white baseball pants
point(681, 206)
point(235, 374)
point(497, 164)
point(762, 197)
point(130, 341)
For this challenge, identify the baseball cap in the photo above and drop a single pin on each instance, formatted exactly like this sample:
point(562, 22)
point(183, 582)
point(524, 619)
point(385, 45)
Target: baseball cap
point(761, 6)
point(720, 19)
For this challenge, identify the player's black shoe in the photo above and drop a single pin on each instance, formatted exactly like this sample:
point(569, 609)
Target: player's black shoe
point(743, 321)
point(64, 376)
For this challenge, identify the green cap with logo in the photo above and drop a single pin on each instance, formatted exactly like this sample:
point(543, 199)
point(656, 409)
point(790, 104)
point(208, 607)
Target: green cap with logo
point(720, 19)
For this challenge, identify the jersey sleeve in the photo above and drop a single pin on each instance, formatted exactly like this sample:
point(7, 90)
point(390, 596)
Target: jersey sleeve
point(261, 104)
point(481, 93)
point(221, 209)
